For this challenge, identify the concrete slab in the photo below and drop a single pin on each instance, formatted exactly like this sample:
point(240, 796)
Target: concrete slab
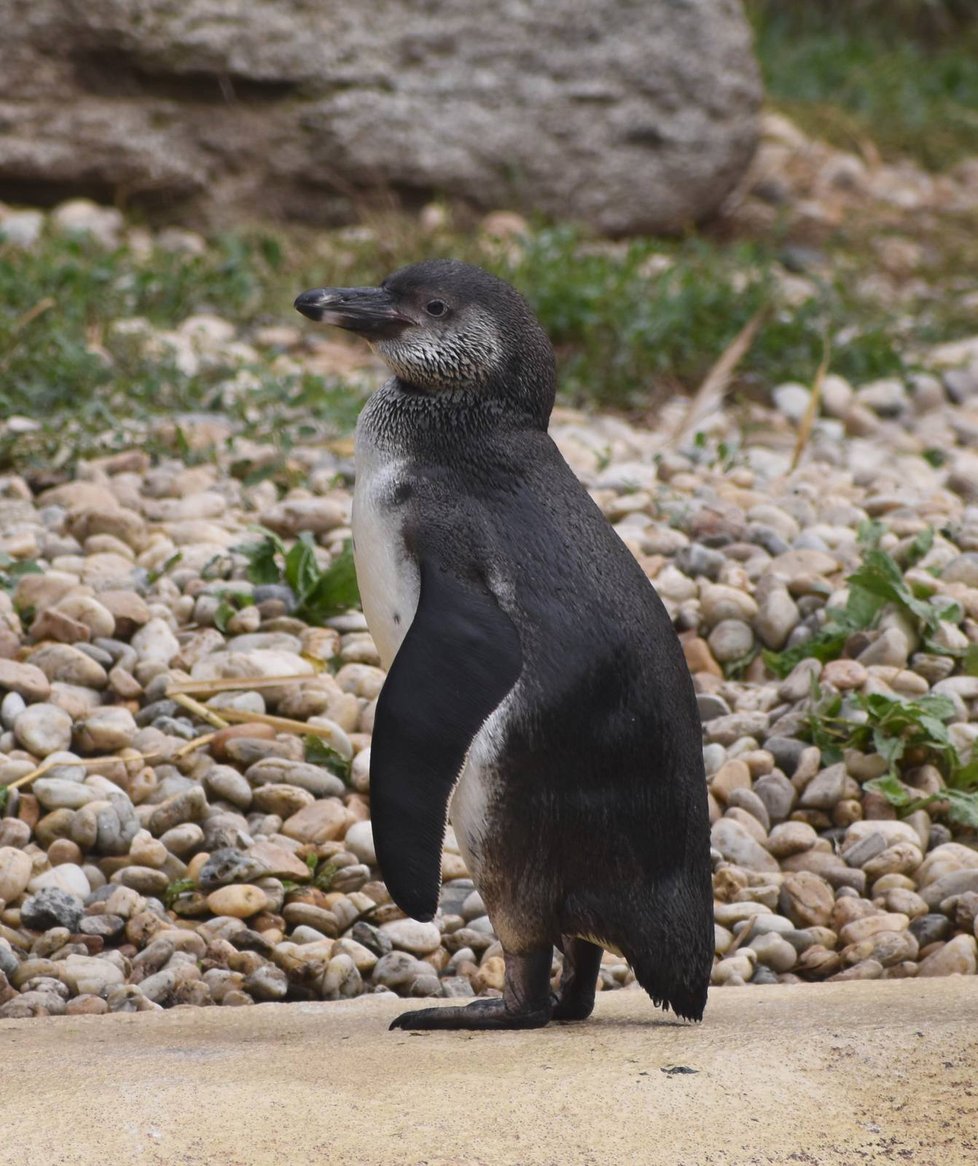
point(830, 1075)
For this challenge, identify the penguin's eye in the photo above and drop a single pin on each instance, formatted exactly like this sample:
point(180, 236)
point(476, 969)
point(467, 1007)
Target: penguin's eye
point(436, 308)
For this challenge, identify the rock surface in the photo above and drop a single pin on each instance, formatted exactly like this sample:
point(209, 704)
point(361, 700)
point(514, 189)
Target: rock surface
point(633, 118)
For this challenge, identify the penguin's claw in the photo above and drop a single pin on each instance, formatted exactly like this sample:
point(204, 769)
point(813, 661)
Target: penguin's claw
point(482, 1014)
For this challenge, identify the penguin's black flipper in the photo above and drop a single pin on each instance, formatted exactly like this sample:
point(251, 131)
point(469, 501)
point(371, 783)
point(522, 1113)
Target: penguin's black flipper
point(459, 659)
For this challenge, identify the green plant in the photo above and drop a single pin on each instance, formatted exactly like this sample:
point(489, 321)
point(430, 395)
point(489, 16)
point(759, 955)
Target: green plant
point(904, 733)
point(13, 569)
point(876, 584)
point(175, 889)
point(900, 72)
point(317, 752)
point(320, 594)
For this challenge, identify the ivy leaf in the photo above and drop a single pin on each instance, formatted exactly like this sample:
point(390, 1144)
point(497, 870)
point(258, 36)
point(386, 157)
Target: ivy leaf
point(333, 590)
point(262, 560)
point(301, 571)
point(880, 576)
point(891, 787)
point(963, 807)
point(920, 546)
point(317, 752)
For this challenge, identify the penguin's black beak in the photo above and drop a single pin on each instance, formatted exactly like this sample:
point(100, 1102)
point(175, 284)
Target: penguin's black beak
point(368, 311)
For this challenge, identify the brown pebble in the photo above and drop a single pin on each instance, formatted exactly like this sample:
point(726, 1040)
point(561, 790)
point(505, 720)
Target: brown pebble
point(86, 1005)
point(63, 850)
point(255, 730)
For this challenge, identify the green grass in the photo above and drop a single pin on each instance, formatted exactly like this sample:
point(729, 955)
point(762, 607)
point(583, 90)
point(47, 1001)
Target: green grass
point(902, 75)
point(632, 323)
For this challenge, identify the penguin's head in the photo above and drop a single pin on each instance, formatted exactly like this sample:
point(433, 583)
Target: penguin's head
point(444, 326)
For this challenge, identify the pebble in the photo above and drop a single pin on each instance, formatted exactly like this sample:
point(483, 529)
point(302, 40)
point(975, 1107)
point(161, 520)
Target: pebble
point(51, 907)
point(43, 729)
point(240, 901)
point(957, 957)
point(412, 936)
point(736, 845)
point(15, 873)
point(106, 730)
point(322, 821)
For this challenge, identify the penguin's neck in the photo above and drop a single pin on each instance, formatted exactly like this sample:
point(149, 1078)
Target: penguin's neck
point(404, 421)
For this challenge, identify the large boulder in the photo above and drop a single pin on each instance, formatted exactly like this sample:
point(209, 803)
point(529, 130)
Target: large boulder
point(631, 115)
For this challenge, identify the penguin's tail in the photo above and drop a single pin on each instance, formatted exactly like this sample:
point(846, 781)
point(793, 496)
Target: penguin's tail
point(668, 940)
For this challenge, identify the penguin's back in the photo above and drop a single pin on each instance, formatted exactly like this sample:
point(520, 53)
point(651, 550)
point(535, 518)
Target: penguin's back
point(592, 774)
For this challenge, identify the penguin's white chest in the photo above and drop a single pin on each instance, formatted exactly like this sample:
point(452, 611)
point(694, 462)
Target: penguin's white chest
point(388, 579)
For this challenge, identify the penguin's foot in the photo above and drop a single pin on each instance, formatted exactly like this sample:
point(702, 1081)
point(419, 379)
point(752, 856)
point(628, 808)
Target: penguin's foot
point(574, 999)
point(525, 1002)
point(481, 1014)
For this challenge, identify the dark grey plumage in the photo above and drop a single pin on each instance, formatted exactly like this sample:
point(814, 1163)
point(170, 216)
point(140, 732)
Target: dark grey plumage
point(539, 663)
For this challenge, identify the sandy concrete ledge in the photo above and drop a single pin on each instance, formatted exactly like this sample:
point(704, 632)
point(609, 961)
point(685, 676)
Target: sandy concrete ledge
point(843, 1074)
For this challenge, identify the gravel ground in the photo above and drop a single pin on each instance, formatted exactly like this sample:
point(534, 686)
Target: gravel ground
point(173, 834)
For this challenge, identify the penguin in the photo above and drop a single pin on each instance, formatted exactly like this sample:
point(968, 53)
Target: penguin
point(536, 694)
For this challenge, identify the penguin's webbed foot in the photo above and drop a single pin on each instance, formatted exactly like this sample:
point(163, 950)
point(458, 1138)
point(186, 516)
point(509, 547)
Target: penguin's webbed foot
point(481, 1014)
point(525, 1002)
point(574, 999)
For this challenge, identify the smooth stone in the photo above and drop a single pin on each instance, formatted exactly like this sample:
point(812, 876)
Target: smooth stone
point(15, 873)
point(869, 925)
point(222, 781)
point(226, 866)
point(892, 832)
point(90, 974)
point(54, 793)
point(731, 775)
point(240, 901)
point(774, 952)
point(845, 674)
point(727, 730)
point(411, 936)
point(278, 861)
point(959, 956)
point(730, 640)
point(791, 838)
point(398, 970)
point(183, 839)
point(891, 647)
point(359, 840)
point(825, 788)
point(777, 617)
point(930, 928)
point(342, 979)
point(283, 771)
point(283, 800)
point(190, 805)
point(145, 880)
point(778, 795)
point(24, 680)
point(737, 845)
point(267, 983)
point(325, 820)
point(69, 665)
point(105, 731)
point(43, 729)
point(868, 969)
point(67, 877)
point(944, 859)
point(958, 882)
point(828, 866)
point(867, 848)
point(900, 858)
point(806, 899)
